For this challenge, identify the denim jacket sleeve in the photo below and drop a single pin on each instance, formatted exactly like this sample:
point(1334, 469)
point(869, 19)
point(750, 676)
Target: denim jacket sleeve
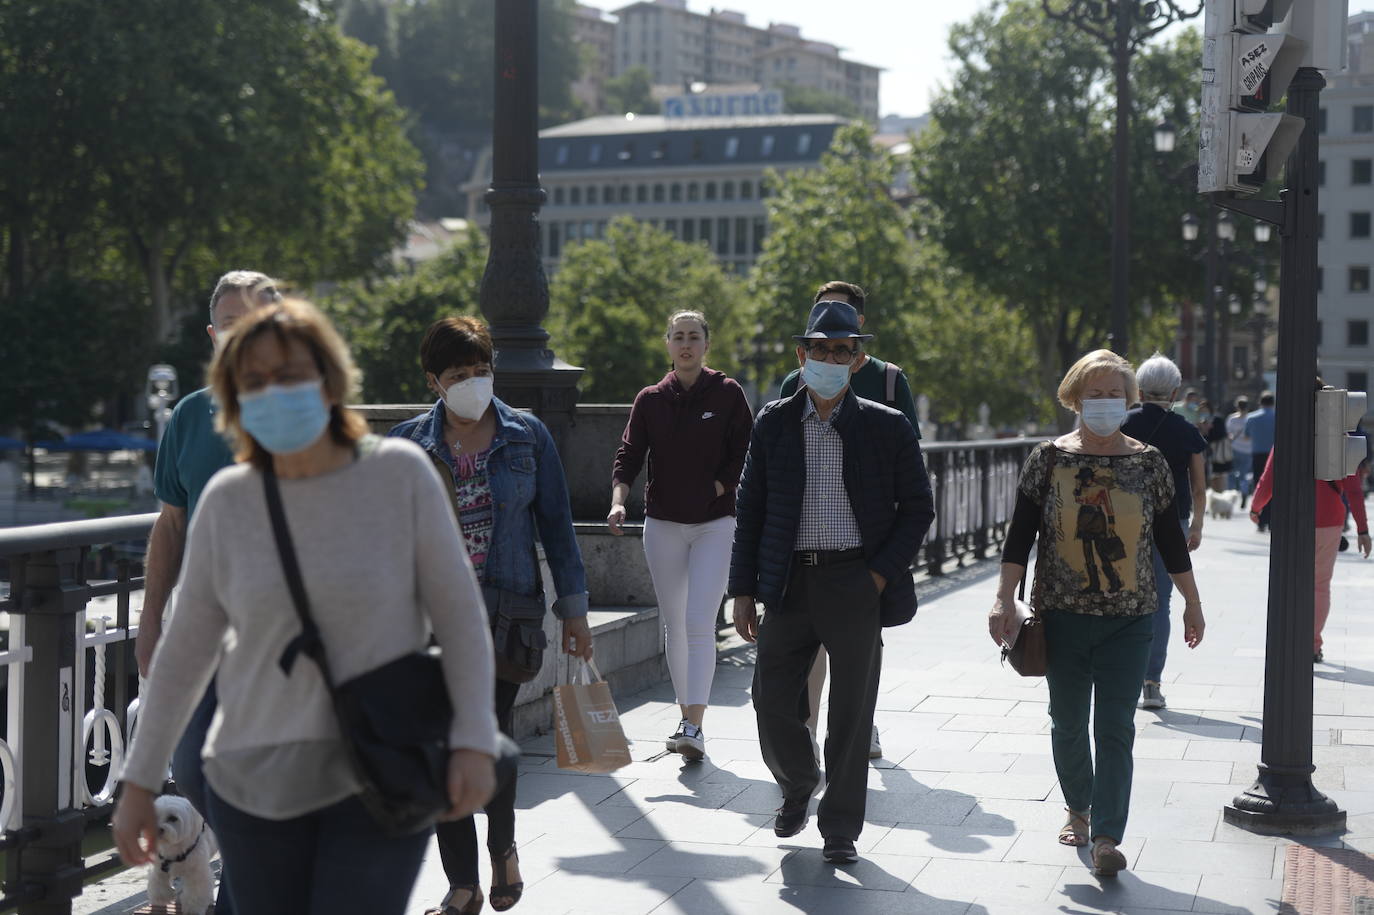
point(553, 517)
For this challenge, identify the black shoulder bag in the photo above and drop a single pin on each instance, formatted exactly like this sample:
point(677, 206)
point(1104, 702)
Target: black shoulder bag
point(394, 719)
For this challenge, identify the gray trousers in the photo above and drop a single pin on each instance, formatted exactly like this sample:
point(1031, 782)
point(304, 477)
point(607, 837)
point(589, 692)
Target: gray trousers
point(835, 606)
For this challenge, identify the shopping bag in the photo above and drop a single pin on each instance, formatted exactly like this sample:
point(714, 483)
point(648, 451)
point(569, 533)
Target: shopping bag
point(587, 727)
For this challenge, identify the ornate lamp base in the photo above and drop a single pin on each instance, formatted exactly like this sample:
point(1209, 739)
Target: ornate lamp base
point(1284, 805)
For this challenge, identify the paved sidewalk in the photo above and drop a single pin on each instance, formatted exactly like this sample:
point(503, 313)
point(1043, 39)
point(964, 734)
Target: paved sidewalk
point(963, 809)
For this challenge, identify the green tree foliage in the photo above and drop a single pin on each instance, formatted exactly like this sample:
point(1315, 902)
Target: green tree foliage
point(1014, 173)
point(807, 100)
point(630, 92)
point(385, 320)
point(611, 299)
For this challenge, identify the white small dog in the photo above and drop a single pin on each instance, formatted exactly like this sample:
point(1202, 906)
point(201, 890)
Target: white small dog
point(185, 846)
point(1222, 504)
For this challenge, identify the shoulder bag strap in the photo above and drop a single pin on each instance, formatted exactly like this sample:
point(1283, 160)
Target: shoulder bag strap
point(309, 640)
point(891, 373)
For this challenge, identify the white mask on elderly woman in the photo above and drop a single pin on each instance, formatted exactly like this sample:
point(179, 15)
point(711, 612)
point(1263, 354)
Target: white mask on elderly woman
point(1103, 416)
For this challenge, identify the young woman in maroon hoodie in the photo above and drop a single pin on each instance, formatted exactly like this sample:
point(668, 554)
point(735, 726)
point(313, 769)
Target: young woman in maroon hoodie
point(693, 426)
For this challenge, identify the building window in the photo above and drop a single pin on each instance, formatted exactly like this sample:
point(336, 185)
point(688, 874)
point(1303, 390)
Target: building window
point(803, 144)
point(661, 150)
point(760, 230)
point(554, 247)
point(627, 152)
point(608, 194)
point(1357, 381)
point(1362, 119)
point(659, 193)
point(693, 191)
point(670, 226)
point(562, 155)
point(689, 230)
point(1357, 333)
point(741, 235)
point(1358, 279)
point(746, 190)
point(710, 190)
point(722, 236)
point(727, 190)
point(698, 149)
point(676, 193)
point(704, 231)
point(594, 154)
point(766, 149)
point(625, 192)
point(575, 196)
point(591, 195)
point(1359, 225)
point(1361, 171)
point(570, 231)
point(558, 196)
point(588, 230)
point(731, 147)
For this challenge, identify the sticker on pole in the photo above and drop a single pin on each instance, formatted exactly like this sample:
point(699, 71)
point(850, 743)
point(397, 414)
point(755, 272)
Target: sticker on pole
point(1246, 158)
point(1253, 65)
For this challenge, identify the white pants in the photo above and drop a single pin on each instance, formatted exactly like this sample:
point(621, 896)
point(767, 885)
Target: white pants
point(690, 566)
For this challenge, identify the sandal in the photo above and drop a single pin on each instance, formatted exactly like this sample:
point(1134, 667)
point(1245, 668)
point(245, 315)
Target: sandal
point(1075, 831)
point(471, 907)
point(1107, 858)
point(511, 891)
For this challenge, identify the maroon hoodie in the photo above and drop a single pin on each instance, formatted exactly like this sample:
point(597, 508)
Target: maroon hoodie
point(692, 438)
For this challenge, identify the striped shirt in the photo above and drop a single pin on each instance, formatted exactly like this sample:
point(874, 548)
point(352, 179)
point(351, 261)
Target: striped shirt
point(827, 519)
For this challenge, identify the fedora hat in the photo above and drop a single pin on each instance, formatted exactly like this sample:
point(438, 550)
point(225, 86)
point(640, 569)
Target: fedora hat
point(831, 320)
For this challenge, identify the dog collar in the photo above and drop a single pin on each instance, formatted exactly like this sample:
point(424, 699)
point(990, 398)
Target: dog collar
point(168, 862)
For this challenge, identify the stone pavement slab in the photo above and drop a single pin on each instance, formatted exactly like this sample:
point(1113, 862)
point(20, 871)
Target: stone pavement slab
point(964, 807)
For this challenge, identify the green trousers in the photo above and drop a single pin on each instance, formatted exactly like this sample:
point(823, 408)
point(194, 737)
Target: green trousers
point(1097, 664)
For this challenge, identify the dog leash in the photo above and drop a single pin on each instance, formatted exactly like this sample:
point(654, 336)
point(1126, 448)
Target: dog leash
point(168, 862)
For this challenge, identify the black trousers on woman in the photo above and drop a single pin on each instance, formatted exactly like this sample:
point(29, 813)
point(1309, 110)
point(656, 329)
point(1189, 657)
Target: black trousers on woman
point(458, 838)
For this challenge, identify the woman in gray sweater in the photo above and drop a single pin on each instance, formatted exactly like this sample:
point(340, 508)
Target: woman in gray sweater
point(376, 544)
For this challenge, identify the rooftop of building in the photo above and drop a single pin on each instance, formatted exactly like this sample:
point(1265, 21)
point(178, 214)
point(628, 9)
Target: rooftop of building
point(621, 125)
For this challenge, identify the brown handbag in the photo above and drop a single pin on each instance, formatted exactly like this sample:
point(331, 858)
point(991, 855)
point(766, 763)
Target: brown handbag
point(1028, 654)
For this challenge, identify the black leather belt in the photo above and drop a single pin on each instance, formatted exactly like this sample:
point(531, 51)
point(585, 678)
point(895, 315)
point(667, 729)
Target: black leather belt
point(827, 557)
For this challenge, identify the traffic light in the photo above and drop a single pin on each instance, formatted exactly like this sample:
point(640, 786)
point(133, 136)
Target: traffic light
point(1247, 65)
point(1338, 453)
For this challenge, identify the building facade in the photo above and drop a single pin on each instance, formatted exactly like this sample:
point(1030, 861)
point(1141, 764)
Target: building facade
point(701, 179)
point(680, 47)
point(594, 32)
point(1345, 251)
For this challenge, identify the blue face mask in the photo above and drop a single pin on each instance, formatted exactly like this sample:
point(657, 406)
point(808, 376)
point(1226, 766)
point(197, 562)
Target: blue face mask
point(825, 378)
point(285, 418)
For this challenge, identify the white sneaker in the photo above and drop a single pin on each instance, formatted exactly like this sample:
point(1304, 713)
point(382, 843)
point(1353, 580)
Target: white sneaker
point(692, 743)
point(875, 749)
point(672, 742)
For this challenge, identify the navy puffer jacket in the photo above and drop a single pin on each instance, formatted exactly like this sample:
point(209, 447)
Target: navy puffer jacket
point(884, 476)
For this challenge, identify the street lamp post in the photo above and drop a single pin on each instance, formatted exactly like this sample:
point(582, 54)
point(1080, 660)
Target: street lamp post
point(1123, 26)
point(515, 292)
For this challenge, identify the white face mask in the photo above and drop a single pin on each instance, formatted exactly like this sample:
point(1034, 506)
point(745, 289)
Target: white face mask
point(471, 397)
point(1104, 416)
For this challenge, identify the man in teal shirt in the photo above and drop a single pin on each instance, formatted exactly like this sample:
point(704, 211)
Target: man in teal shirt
point(874, 379)
point(190, 453)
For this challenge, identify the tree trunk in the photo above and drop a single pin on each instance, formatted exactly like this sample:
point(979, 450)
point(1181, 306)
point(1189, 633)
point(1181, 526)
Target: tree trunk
point(156, 271)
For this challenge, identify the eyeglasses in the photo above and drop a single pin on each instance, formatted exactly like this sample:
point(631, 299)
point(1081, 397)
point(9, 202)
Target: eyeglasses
point(840, 355)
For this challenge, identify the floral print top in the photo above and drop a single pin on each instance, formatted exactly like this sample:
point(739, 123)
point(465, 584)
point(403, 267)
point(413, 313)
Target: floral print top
point(476, 511)
point(1096, 537)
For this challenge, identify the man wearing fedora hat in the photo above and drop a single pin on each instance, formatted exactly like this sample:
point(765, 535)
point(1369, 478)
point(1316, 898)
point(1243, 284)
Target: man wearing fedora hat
point(832, 506)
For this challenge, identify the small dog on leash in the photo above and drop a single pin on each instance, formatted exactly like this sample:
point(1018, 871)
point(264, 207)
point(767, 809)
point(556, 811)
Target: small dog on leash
point(185, 846)
point(1222, 504)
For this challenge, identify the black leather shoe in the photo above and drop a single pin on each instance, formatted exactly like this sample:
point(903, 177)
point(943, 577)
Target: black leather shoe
point(839, 850)
point(791, 817)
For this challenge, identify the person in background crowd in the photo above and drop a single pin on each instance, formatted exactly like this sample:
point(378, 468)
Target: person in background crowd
point(1189, 407)
point(1240, 446)
point(878, 381)
point(1333, 497)
point(693, 429)
point(1117, 497)
point(1259, 428)
point(833, 505)
point(504, 484)
point(1182, 446)
point(190, 453)
point(1220, 455)
point(382, 563)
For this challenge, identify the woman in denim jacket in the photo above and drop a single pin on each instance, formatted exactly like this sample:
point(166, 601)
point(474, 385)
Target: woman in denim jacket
point(506, 480)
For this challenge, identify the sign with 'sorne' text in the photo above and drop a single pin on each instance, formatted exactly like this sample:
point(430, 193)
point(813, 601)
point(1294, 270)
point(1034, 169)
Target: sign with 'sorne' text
point(741, 104)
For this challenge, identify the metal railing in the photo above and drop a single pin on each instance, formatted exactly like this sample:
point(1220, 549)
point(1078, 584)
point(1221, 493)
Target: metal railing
point(63, 727)
point(61, 724)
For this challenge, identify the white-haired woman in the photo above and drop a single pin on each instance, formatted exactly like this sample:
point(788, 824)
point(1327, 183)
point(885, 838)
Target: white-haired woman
point(1184, 448)
point(1099, 502)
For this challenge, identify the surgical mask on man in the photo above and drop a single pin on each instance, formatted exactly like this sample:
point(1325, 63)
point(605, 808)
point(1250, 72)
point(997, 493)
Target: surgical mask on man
point(825, 378)
point(1103, 416)
point(471, 397)
point(285, 418)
